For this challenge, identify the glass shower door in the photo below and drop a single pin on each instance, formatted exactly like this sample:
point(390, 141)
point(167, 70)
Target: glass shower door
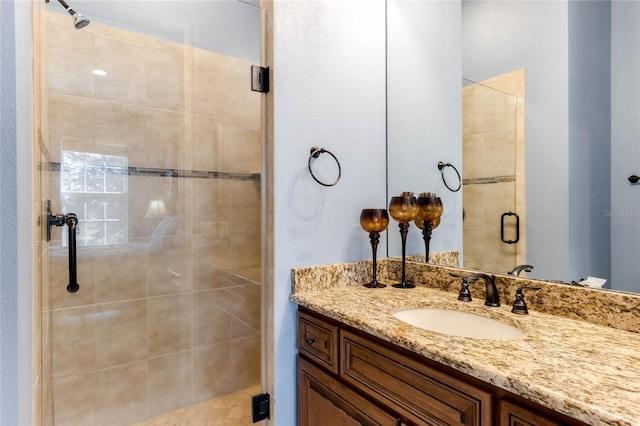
point(151, 135)
point(493, 174)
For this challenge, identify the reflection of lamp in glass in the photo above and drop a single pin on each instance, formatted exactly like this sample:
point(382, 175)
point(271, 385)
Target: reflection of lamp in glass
point(428, 218)
point(374, 221)
point(403, 209)
point(156, 210)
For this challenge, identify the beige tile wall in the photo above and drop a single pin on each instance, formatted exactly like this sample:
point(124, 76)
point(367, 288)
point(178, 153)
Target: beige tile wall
point(514, 83)
point(493, 146)
point(166, 320)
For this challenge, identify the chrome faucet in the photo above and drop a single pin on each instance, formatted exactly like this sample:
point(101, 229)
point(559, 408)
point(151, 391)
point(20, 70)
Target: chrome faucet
point(516, 271)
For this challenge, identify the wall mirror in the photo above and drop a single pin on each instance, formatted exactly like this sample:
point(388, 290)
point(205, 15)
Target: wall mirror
point(562, 75)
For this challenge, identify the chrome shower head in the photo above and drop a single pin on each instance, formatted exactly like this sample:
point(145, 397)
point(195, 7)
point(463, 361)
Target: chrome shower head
point(79, 21)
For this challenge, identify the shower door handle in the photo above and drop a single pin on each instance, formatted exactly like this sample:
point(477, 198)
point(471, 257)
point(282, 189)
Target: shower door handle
point(71, 220)
point(502, 227)
point(72, 223)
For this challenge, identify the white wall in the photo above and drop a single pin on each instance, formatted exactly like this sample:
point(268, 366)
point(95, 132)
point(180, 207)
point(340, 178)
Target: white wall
point(502, 36)
point(625, 143)
point(589, 138)
point(25, 212)
point(424, 116)
point(329, 82)
point(16, 228)
point(8, 209)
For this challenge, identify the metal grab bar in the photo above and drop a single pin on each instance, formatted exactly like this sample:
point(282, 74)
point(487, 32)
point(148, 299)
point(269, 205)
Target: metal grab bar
point(71, 220)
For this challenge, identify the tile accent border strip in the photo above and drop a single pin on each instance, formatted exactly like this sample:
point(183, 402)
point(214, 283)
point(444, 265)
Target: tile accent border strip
point(486, 180)
point(188, 174)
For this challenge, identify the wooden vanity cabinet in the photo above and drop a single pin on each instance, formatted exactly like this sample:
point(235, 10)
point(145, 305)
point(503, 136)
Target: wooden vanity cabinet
point(324, 401)
point(347, 377)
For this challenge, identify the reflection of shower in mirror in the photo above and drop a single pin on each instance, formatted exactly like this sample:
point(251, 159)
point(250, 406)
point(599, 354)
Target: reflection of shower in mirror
point(79, 21)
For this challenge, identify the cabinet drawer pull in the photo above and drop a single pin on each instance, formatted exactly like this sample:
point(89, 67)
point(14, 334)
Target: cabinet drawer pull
point(311, 340)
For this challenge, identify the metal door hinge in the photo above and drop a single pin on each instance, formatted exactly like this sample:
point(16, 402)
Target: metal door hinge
point(259, 79)
point(260, 407)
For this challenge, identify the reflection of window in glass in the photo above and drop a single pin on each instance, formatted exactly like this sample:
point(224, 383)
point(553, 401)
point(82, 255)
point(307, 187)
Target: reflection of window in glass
point(94, 186)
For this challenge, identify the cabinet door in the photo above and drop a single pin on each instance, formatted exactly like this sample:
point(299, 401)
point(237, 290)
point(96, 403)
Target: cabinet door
point(516, 415)
point(323, 401)
point(421, 394)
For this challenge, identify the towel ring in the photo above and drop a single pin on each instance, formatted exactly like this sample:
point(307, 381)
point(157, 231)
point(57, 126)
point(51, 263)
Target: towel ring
point(315, 153)
point(441, 167)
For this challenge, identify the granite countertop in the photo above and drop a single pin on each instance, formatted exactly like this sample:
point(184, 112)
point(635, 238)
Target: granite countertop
point(586, 371)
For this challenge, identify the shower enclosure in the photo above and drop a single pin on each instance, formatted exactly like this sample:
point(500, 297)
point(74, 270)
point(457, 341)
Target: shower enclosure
point(493, 189)
point(149, 132)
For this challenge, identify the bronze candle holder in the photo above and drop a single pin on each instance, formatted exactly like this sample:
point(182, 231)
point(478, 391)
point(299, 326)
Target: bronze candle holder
point(428, 218)
point(404, 209)
point(374, 221)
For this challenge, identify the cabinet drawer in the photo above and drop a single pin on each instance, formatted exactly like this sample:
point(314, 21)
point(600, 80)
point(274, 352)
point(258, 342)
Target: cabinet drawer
point(323, 400)
point(318, 339)
point(421, 394)
point(517, 415)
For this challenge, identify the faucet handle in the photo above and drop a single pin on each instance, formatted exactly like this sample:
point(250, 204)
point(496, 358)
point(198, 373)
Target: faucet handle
point(519, 306)
point(464, 294)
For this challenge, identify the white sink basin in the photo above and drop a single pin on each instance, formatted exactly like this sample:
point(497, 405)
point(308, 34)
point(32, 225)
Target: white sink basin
point(458, 323)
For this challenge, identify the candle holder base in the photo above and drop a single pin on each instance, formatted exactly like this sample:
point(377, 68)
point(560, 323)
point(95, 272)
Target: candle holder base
point(403, 285)
point(374, 285)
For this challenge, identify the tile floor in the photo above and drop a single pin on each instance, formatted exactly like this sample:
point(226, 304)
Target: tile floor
point(233, 409)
